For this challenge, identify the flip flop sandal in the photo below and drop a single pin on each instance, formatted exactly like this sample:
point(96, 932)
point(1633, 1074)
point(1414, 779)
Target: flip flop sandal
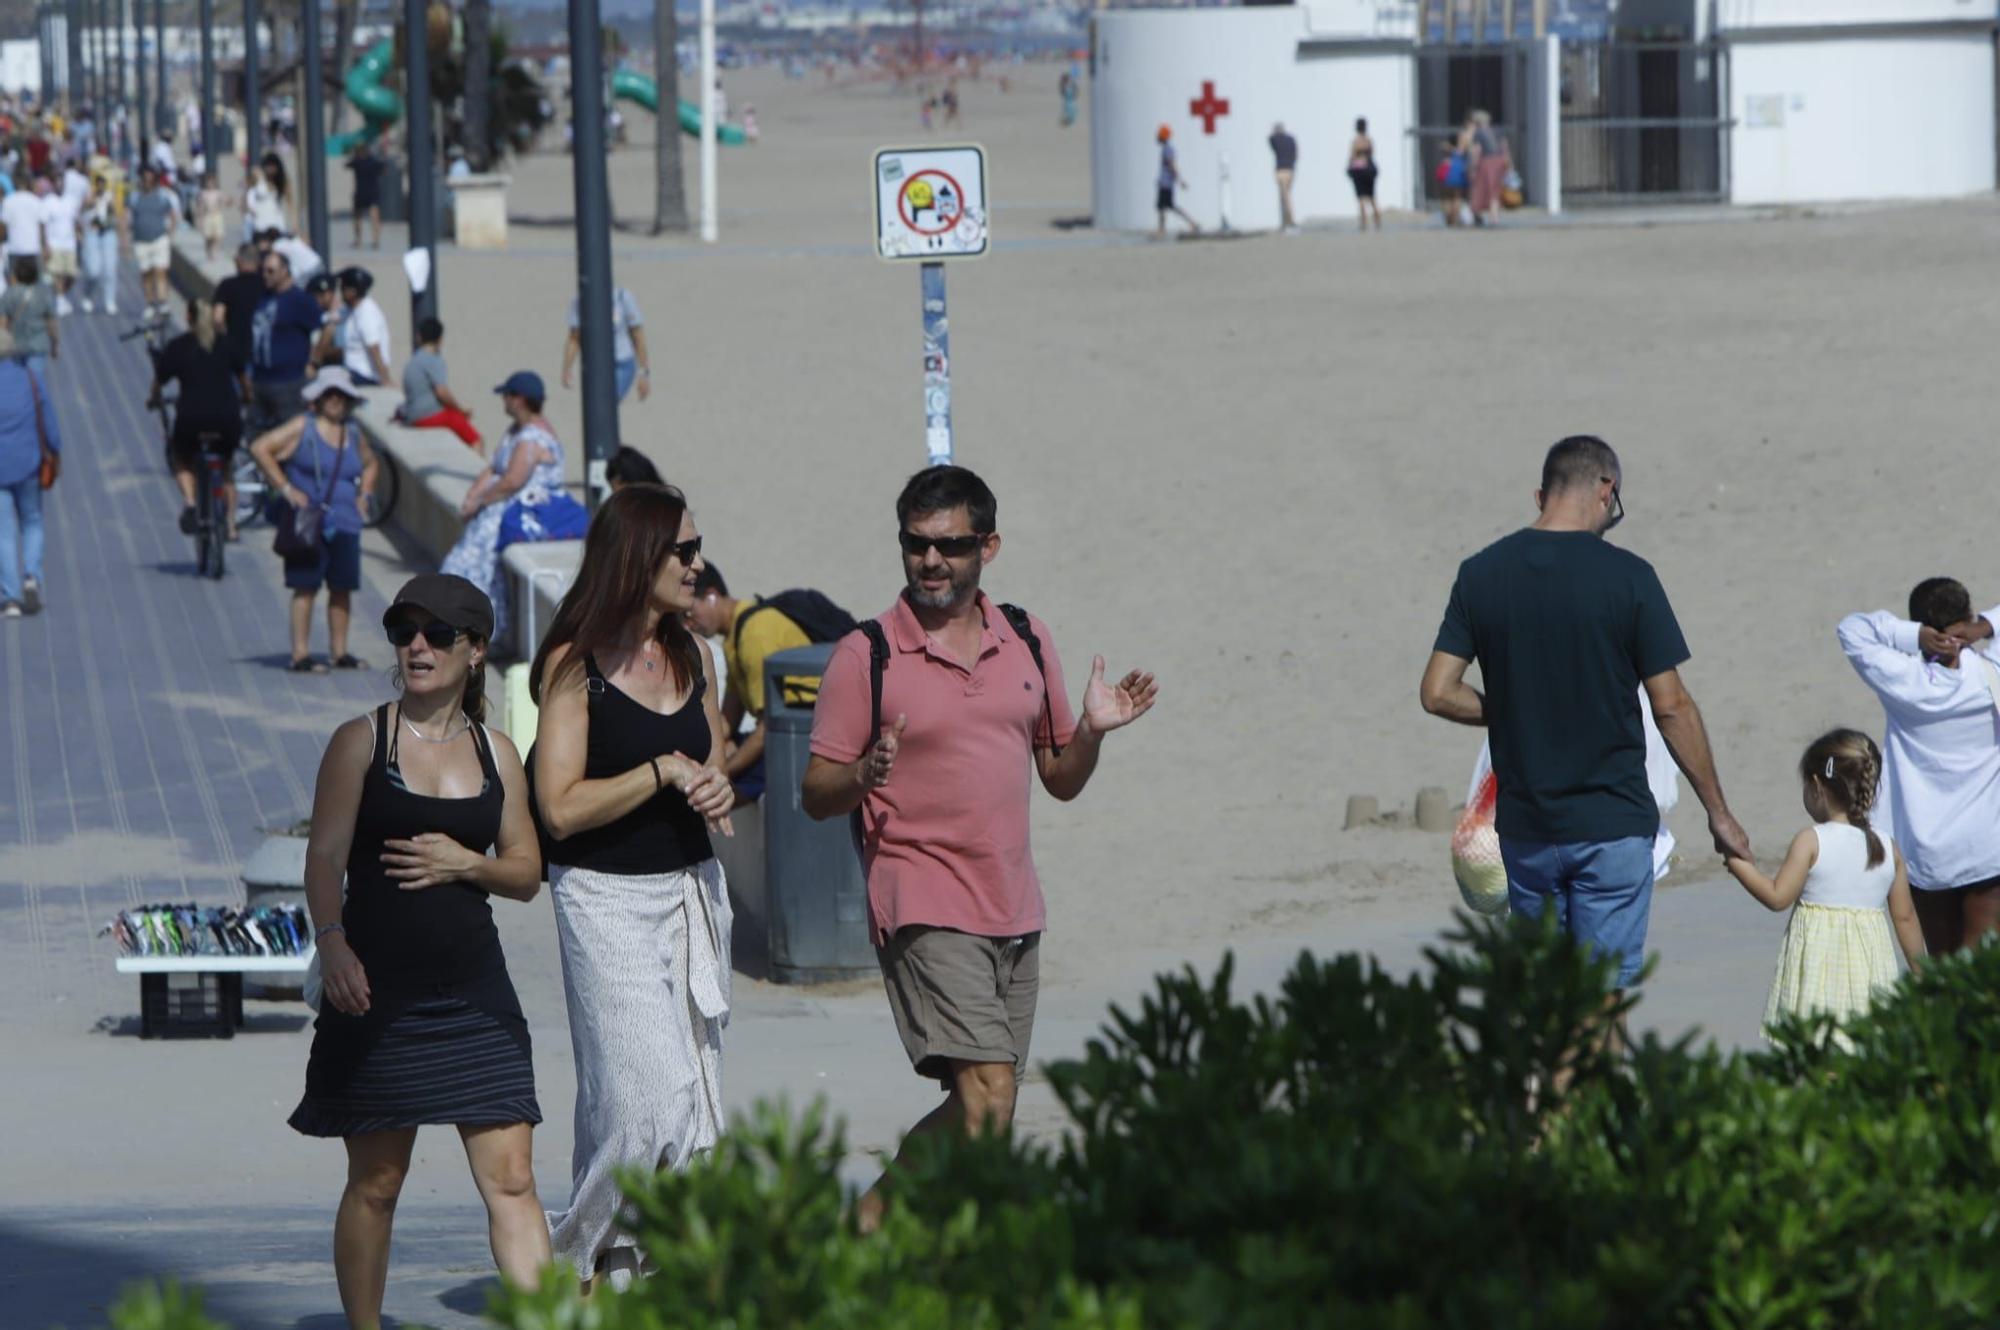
point(350, 663)
point(306, 665)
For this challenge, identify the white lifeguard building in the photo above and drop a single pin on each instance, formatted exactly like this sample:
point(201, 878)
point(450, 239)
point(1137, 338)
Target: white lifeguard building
point(1603, 102)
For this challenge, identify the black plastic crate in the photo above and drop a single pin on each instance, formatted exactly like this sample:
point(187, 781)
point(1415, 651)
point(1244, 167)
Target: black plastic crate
point(190, 1005)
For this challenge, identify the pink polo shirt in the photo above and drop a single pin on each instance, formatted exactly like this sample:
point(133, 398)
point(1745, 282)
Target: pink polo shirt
point(945, 842)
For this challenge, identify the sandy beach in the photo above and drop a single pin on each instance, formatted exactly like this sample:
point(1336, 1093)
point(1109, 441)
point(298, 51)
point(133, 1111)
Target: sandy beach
point(1249, 465)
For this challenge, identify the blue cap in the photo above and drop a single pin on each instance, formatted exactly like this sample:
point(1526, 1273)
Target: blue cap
point(524, 383)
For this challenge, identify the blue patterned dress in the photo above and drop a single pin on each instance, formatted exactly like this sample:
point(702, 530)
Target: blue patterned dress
point(476, 556)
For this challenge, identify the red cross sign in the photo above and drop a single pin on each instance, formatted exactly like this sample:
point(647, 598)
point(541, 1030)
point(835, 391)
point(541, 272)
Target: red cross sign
point(1208, 108)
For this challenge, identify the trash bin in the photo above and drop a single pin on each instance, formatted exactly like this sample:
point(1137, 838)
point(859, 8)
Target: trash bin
point(816, 901)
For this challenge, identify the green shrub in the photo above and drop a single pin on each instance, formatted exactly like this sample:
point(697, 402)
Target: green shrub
point(1453, 1149)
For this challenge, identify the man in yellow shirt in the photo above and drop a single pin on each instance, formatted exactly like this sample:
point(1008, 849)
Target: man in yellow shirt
point(751, 630)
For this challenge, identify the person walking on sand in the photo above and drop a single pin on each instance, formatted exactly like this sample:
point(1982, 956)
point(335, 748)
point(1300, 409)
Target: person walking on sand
point(1361, 173)
point(972, 697)
point(1935, 675)
point(1566, 627)
point(1170, 180)
point(1849, 884)
point(420, 816)
point(629, 787)
point(1285, 154)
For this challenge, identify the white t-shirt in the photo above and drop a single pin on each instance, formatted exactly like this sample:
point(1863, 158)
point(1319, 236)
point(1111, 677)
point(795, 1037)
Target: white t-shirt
point(163, 158)
point(75, 188)
point(365, 326)
point(59, 221)
point(300, 255)
point(22, 213)
point(262, 205)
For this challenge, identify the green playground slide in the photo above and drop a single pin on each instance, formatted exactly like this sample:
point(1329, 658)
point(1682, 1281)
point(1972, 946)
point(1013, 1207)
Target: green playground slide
point(380, 107)
point(638, 88)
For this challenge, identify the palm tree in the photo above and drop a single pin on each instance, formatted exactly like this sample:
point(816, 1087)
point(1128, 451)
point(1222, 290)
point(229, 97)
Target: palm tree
point(670, 209)
point(478, 82)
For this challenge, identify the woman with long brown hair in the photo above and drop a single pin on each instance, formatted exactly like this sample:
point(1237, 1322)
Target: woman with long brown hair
point(628, 782)
point(418, 1021)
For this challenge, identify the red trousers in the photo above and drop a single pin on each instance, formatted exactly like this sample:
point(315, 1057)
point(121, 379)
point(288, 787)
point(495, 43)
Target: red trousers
point(452, 420)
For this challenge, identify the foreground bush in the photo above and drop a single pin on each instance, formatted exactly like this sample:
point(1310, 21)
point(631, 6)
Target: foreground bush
point(1450, 1150)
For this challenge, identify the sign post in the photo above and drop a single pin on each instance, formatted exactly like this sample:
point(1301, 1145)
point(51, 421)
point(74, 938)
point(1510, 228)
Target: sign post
point(930, 208)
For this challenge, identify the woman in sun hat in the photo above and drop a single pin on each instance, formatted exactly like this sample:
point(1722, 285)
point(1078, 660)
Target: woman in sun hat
point(418, 1020)
point(520, 498)
point(319, 459)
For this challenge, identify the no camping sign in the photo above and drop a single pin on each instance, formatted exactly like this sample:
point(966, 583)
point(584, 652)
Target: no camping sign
point(930, 203)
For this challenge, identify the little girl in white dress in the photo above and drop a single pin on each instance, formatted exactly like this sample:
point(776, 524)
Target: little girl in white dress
point(1849, 883)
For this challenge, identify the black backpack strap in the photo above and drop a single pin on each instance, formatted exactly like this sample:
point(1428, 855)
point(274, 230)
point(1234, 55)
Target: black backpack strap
point(878, 665)
point(1017, 619)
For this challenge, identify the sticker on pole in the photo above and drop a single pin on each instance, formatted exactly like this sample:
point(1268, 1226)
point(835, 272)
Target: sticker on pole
point(930, 203)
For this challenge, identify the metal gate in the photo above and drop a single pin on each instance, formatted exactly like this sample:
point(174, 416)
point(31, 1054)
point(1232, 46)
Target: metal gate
point(1642, 122)
point(1455, 81)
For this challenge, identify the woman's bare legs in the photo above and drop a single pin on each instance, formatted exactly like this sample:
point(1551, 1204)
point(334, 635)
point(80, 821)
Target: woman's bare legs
point(376, 1166)
point(1981, 912)
point(502, 1160)
point(339, 612)
point(302, 618)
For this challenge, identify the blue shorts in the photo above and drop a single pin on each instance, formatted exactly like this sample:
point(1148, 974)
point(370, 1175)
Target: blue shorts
point(1602, 892)
point(338, 566)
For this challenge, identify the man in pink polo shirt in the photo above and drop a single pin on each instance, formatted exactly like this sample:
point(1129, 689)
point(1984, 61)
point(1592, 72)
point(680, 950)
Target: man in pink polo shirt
point(942, 791)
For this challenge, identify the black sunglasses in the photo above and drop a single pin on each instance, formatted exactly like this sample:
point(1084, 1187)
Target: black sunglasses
point(1617, 506)
point(442, 636)
point(951, 547)
point(686, 551)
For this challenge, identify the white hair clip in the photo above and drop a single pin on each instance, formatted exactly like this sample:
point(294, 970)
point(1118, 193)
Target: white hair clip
point(1829, 767)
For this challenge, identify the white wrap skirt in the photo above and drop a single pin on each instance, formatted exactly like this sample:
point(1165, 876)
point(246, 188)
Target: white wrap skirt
point(646, 975)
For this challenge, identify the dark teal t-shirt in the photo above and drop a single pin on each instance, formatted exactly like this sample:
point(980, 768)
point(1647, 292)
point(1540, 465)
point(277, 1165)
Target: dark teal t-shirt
point(1564, 627)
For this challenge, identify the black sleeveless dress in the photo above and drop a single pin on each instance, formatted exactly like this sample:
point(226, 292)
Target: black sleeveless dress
point(443, 1040)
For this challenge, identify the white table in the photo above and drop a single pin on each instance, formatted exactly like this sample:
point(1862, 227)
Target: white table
point(229, 970)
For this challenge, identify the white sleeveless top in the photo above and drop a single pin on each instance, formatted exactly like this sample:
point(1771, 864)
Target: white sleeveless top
point(1841, 875)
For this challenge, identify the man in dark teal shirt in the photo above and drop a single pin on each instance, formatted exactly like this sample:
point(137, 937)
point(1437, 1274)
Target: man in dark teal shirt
point(1566, 627)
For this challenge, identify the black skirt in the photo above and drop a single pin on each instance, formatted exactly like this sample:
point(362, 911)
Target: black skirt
point(438, 1061)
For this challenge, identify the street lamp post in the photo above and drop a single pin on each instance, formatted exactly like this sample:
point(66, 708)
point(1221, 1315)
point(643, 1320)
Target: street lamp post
point(593, 242)
point(253, 93)
point(206, 90)
point(313, 145)
point(423, 179)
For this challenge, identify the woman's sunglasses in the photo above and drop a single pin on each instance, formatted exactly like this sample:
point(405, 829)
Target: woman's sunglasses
point(441, 636)
point(686, 550)
point(952, 547)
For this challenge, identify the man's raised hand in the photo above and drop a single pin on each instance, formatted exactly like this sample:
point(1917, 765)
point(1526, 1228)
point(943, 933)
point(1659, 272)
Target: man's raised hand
point(880, 760)
point(1108, 707)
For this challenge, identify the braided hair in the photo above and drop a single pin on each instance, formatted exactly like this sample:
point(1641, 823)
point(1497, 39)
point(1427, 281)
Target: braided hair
point(1846, 767)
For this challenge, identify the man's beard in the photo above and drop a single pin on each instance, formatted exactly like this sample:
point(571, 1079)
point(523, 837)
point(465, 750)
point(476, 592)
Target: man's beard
point(961, 584)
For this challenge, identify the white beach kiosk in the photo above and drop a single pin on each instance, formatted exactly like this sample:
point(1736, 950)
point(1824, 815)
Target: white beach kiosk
point(1605, 102)
point(1843, 100)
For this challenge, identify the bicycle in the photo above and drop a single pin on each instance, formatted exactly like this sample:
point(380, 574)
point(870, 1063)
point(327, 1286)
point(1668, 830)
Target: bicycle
point(211, 500)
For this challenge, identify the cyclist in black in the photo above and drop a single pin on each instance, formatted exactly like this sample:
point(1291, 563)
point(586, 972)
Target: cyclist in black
point(213, 389)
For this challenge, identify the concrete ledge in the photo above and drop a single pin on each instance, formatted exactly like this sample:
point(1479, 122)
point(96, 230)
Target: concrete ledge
point(539, 575)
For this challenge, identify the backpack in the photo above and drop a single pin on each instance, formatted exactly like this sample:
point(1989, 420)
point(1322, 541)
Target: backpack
point(817, 617)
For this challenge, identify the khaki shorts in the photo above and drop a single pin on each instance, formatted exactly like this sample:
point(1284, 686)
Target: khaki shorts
point(153, 255)
point(958, 997)
point(62, 263)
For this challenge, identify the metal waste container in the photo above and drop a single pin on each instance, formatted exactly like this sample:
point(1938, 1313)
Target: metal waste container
point(816, 901)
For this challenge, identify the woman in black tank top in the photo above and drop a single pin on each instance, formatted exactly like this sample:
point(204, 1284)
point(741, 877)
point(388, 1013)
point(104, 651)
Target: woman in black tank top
point(629, 787)
point(418, 1021)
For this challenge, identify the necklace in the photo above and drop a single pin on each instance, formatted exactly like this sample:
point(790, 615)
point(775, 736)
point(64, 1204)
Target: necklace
point(645, 654)
point(449, 735)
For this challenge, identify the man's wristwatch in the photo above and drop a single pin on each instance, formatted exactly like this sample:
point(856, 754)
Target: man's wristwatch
point(321, 932)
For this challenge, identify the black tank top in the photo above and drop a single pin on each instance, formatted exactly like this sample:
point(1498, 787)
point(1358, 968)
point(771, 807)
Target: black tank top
point(440, 939)
point(662, 835)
